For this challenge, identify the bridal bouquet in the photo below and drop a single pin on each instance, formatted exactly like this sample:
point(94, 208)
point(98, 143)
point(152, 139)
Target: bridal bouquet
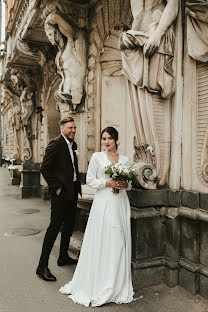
point(120, 172)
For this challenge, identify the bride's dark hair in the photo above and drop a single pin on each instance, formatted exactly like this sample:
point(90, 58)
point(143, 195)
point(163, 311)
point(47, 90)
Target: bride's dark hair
point(113, 133)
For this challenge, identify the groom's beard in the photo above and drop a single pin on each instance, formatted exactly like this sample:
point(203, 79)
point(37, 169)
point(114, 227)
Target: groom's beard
point(71, 140)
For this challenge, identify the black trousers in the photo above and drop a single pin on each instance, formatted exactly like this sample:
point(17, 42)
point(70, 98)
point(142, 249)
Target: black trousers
point(63, 213)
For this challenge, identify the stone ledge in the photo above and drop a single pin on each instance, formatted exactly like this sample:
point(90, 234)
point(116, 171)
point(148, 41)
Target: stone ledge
point(171, 264)
point(166, 197)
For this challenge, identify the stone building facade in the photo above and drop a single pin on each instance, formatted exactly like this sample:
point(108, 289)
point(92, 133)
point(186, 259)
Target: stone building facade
point(142, 67)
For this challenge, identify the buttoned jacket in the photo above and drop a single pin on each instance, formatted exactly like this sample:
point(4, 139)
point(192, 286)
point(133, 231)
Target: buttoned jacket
point(57, 168)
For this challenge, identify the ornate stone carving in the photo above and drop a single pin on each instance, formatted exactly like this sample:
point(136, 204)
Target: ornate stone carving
point(27, 108)
point(204, 160)
point(21, 84)
point(144, 153)
point(146, 175)
point(12, 111)
point(145, 166)
point(197, 29)
point(26, 52)
point(27, 105)
point(201, 128)
point(153, 36)
point(147, 56)
point(71, 56)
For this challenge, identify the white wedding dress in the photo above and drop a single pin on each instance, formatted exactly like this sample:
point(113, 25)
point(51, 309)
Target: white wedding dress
point(103, 272)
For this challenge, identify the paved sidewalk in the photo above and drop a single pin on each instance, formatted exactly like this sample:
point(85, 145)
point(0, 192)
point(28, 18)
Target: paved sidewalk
point(22, 291)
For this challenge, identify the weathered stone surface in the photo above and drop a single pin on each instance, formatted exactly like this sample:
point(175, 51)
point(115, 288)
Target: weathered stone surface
point(90, 89)
point(91, 63)
point(190, 240)
point(203, 288)
point(90, 102)
point(188, 280)
point(90, 116)
point(148, 238)
point(30, 180)
point(171, 277)
point(148, 198)
point(203, 201)
point(190, 199)
point(167, 197)
point(172, 238)
point(203, 243)
point(146, 277)
point(174, 198)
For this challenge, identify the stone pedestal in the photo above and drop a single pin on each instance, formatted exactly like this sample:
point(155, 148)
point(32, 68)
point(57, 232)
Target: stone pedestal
point(15, 173)
point(30, 180)
point(44, 192)
point(170, 239)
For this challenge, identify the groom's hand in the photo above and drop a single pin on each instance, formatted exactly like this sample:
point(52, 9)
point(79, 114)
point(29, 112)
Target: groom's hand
point(58, 191)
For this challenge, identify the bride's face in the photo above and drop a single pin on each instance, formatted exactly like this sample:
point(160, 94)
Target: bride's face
point(108, 142)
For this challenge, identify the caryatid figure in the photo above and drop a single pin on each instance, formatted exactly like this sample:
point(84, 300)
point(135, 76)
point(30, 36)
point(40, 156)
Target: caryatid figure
point(27, 105)
point(151, 41)
point(70, 59)
point(147, 56)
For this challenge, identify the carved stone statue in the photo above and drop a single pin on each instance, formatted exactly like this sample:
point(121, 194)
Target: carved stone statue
point(14, 123)
point(27, 104)
point(17, 81)
point(27, 108)
point(197, 29)
point(148, 48)
point(147, 56)
point(70, 59)
point(21, 84)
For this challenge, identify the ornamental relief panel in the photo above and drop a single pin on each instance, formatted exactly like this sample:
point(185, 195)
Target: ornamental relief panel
point(202, 122)
point(197, 48)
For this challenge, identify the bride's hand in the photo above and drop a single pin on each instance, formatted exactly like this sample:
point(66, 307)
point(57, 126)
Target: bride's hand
point(116, 184)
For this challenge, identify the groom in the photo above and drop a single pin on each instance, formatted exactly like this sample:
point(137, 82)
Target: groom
point(60, 170)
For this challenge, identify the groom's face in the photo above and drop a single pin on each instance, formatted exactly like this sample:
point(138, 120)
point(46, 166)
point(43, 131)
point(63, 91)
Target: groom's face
point(69, 130)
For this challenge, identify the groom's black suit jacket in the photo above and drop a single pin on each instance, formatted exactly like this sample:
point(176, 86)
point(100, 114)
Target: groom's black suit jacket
point(57, 168)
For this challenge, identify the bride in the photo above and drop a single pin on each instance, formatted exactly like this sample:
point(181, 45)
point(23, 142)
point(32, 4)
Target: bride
point(103, 272)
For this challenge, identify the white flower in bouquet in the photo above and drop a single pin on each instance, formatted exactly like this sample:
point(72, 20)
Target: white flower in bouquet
point(120, 172)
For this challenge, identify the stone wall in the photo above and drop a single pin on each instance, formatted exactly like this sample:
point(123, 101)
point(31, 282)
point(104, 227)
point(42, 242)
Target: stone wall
point(169, 241)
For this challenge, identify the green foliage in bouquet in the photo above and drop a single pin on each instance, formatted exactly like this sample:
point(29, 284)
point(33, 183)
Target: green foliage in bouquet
point(120, 172)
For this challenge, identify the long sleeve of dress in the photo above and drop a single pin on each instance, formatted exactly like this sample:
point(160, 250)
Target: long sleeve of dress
point(92, 178)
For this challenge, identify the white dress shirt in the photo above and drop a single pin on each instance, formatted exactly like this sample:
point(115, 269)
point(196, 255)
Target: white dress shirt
point(72, 155)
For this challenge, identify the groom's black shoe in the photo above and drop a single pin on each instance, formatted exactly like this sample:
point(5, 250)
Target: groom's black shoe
point(64, 261)
point(45, 274)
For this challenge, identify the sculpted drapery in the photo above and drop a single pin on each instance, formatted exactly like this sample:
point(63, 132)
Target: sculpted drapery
point(197, 29)
point(70, 59)
point(147, 56)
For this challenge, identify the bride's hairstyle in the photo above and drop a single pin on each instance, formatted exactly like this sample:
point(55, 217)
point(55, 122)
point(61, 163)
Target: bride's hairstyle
point(113, 133)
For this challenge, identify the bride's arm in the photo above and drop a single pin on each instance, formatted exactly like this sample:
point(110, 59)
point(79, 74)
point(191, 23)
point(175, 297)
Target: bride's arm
point(91, 178)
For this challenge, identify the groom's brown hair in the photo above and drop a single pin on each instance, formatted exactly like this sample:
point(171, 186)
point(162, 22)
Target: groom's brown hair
point(65, 120)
